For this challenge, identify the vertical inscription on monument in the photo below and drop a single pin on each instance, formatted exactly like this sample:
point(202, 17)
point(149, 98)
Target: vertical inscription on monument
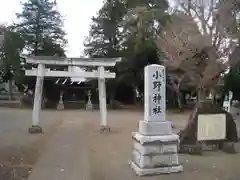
point(155, 93)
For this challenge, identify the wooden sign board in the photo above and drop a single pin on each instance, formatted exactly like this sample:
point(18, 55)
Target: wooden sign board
point(211, 127)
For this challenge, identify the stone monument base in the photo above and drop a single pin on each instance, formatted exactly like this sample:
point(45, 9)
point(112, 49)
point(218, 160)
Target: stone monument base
point(156, 171)
point(60, 106)
point(153, 155)
point(89, 107)
point(35, 130)
point(155, 128)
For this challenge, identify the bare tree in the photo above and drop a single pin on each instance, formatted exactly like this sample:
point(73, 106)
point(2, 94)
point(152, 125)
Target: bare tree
point(214, 18)
point(175, 83)
point(199, 41)
point(180, 41)
point(145, 21)
point(196, 42)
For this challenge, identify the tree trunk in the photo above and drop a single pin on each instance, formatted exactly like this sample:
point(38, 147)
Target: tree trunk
point(10, 94)
point(201, 97)
point(135, 98)
point(111, 99)
point(179, 100)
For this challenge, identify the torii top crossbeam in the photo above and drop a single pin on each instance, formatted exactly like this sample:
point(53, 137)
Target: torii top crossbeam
point(62, 61)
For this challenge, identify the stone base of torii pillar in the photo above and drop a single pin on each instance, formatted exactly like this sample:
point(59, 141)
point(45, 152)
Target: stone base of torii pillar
point(155, 147)
point(35, 130)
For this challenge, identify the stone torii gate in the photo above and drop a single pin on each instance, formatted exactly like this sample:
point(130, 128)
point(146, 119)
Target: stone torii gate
point(41, 71)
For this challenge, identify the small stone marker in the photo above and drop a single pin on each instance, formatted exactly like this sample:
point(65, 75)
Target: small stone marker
point(60, 105)
point(227, 102)
point(89, 105)
point(155, 146)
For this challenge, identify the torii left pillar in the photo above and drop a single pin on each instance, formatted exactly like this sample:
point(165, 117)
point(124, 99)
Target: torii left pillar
point(36, 128)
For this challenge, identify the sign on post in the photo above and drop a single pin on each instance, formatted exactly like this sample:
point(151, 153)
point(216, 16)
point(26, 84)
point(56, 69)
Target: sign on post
point(211, 127)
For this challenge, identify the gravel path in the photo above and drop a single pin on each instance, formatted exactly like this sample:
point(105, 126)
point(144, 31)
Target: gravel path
point(109, 154)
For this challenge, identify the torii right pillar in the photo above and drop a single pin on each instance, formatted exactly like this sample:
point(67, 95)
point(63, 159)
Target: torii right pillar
point(102, 99)
point(155, 146)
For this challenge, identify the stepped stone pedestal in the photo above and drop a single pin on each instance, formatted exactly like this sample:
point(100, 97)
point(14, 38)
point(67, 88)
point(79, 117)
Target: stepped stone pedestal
point(155, 147)
point(155, 128)
point(155, 154)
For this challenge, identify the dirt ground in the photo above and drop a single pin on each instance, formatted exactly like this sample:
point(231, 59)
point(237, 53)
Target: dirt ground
point(18, 150)
point(108, 153)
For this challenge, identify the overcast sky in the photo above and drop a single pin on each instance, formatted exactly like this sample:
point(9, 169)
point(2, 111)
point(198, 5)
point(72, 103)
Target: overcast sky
point(77, 18)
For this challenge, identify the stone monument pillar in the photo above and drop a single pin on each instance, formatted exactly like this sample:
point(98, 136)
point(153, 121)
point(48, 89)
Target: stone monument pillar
point(89, 105)
point(60, 105)
point(155, 146)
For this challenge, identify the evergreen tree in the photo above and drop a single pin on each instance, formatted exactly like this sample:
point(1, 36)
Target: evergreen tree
point(104, 38)
point(10, 51)
point(232, 81)
point(114, 34)
point(39, 24)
